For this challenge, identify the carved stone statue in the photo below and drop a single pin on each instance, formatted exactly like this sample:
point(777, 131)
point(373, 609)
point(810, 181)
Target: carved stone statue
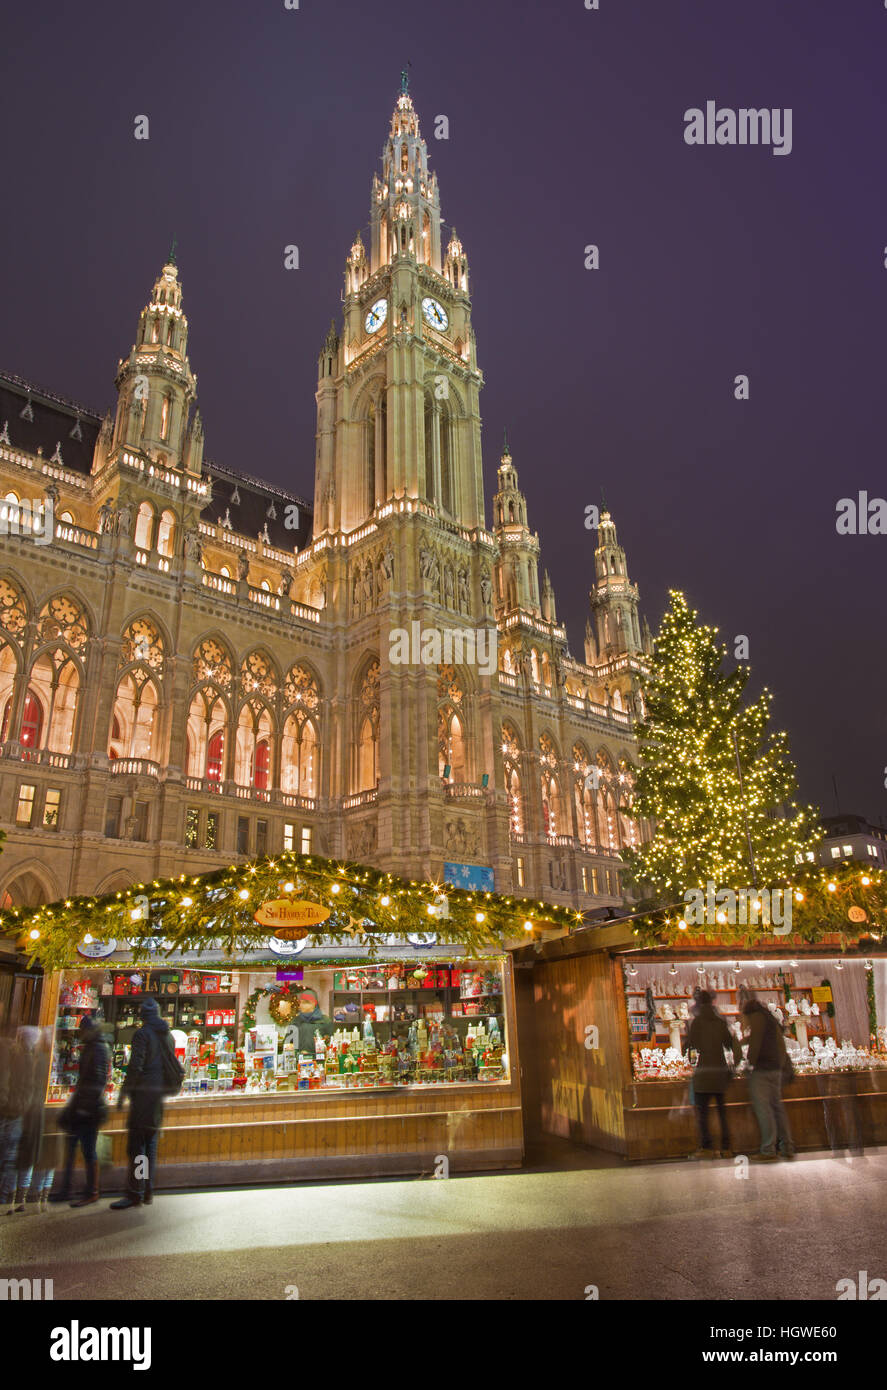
point(106, 518)
point(242, 565)
point(123, 520)
point(448, 586)
point(464, 599)
point(426, 555)
point(486, 592)
point(193, 548)
point(286, 582)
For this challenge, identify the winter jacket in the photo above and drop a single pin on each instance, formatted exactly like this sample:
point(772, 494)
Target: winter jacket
point(144, 1083)
point(303, 1030)
point(87, 1105)
point(766, 1045)
point(708, 1035)
point(15, 1079)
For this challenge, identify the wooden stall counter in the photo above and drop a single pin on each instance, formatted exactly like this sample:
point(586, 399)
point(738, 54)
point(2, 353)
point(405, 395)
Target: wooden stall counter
point(830, 1110)
point(229, 1138)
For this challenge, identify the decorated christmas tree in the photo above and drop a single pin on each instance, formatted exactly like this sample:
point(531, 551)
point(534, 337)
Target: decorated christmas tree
point(716, 782)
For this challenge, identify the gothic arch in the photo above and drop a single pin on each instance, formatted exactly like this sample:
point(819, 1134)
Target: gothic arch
point(199, 656)
point(149, 615)
point(22, 609)
point(113, 883)
point(30, 884)
point(52, 599)
point(370, 391)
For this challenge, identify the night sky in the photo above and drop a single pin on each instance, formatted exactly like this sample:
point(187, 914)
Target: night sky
point(566, 128)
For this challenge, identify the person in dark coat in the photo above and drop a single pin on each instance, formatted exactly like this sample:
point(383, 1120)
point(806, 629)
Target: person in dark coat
point(309, 1021)
point(85, 1113)
point(767, 1062)
point(144, 1085)
point(709, 1037)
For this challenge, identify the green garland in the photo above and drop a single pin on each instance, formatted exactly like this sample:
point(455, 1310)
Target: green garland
point(822, 899)
point(196, 913)
point(830, 1006)
point(873, 1008)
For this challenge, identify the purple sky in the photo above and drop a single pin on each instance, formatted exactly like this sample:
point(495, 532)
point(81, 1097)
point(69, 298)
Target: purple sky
point(566, 128)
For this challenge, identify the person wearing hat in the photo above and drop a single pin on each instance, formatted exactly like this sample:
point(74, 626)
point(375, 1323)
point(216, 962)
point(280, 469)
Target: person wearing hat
point(145, 1088)
point(85, 1112)
point(309, 1021)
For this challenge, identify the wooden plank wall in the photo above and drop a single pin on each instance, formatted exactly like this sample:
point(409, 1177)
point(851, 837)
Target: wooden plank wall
point(580, 1088)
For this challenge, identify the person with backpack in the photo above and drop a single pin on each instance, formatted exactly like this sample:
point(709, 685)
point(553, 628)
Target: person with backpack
point(153, 1073)
point(769, 1068)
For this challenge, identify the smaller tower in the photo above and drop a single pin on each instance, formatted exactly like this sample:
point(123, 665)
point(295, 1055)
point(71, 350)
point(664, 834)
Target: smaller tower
point(518, 564)
point(155, 384)
point(614, 599)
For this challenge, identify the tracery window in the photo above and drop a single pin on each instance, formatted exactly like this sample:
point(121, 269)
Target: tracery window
point(213, 663)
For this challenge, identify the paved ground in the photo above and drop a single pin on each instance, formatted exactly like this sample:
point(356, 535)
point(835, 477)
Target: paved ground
point(570, 1220)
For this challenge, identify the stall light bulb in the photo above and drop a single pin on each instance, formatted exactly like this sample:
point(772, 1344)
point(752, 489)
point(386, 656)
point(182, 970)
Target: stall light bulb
point(87, 940)
point(866, 880)
point(682, 925)
point(244, 893)
point(336, 888)
point(722, 917)
point(34, 935)
point(799, 897)
point(480, 916)
point(832, 887)
point(288, 887)
point(385, 900)
point(528, 926)
point(187, 902)
point(430, 910)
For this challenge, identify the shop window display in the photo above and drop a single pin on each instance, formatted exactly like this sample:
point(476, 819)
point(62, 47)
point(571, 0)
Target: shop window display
point(821, 1005)
point(335, 1028)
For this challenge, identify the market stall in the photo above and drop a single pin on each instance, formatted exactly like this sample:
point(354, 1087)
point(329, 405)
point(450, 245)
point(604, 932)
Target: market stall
point(323, 1029)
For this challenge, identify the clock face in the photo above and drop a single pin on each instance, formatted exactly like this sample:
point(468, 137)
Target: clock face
point(376, 316)
point(435, 314)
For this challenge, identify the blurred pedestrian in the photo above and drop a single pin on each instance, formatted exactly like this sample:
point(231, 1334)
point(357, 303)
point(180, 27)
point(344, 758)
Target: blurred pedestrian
point(85, 1113)
point(36, 1045)
point(146, 1083)
point(710, 1038)
point(15, 1070)
point(769, 1065)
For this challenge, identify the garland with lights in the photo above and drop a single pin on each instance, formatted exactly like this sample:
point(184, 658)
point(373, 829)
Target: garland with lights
point(215, 911)
point(843, 901)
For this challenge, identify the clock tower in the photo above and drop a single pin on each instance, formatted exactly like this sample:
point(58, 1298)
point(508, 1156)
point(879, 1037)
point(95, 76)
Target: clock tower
point(398, 410)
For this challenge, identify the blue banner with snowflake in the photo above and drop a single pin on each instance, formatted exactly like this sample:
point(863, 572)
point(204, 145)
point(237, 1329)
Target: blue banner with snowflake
point(470, 876)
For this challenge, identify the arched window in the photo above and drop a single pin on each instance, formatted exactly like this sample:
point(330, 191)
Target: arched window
point(551, 795)
point(165, 534)
point(164, 418)
point(446, 463)
point(31, 734)
point(135, 717)
point(511, 758)
point(262, 765)
point(254, 727)
point(55, 678)
point(368, 706)
point(144, 526)
point(299, 756)
point(215, 756)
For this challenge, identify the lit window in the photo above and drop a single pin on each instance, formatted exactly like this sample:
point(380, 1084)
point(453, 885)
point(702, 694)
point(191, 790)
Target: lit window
point(24, 812)
point(261, 838)
point(584, 879)
point(809, 856)
point(836, 853)
point(520, 872)
point(51, 807)
point(192, 827)
point(242, 835)
point(848, 849)
point(595, 881)
point(289, 836)
point(306, 839)
point(164, 418)
point(113, 812)
point(211, 838)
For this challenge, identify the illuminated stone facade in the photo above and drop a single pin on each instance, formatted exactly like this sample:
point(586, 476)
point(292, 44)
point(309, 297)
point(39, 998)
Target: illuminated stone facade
point(190, 671)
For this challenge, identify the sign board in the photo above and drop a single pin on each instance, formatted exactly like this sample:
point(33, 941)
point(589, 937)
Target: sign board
point(290, 920)
point(470, 876)
point(291, 974)
point(96, 950)
point(822, 994)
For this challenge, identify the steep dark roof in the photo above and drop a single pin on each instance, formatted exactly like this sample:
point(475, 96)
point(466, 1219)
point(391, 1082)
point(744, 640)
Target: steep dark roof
point(249, 501)
point(54, 419)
